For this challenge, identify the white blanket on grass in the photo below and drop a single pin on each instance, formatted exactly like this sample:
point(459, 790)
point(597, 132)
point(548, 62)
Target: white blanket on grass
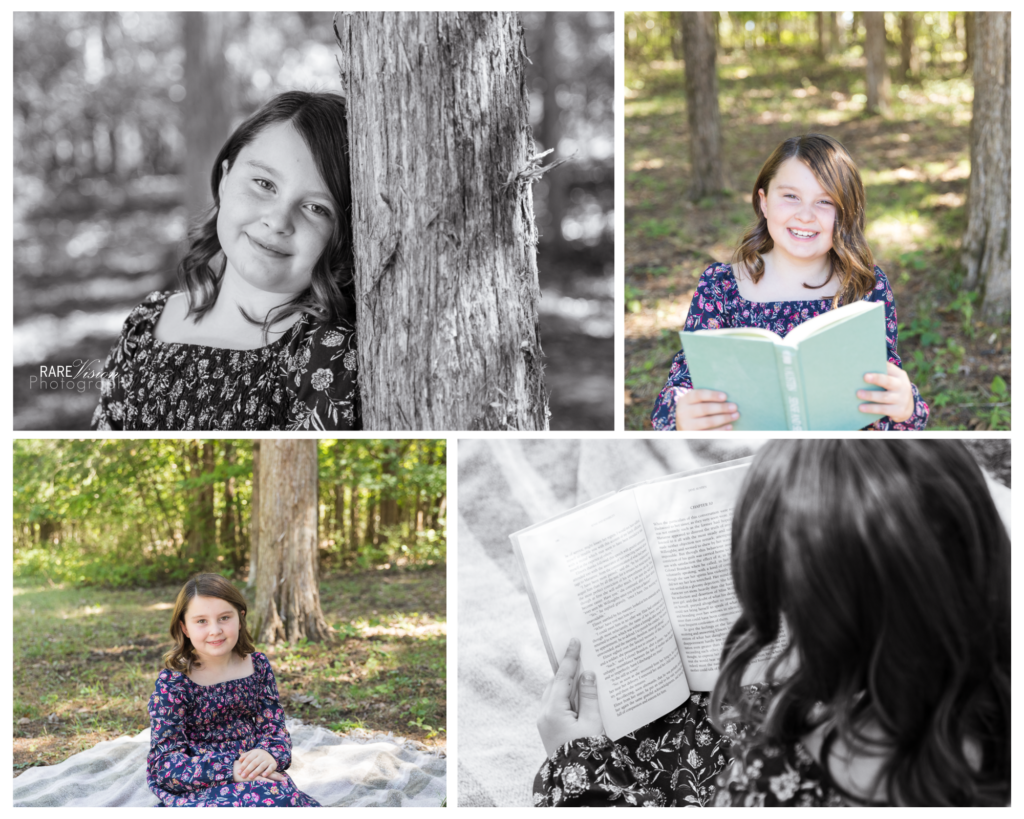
point(350, 771)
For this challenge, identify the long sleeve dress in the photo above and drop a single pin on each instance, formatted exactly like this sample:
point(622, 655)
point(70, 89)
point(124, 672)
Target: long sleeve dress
point(198, 731)
point(681, 760)
point(717, 304)
point(305, 380)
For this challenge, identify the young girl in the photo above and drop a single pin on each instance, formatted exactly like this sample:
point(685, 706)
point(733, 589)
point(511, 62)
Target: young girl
point(806, 254)
point(260, 336)
point(890, 565)
point(218, 735)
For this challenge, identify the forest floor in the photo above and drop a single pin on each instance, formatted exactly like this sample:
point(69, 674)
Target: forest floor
point(85, 661)
point(915, 168)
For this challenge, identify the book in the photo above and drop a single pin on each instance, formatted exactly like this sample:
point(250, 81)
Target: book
point(642, 578)
point(805, 381)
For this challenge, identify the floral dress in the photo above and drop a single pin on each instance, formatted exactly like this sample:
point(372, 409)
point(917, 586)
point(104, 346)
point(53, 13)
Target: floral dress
point(681, 760)
point(198, 731)
point(306, 379)
point(717, 303)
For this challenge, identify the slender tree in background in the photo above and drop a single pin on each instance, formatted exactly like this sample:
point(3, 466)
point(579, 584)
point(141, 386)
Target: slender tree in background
point(254, 515)
point(287, 589)
point(206, 107)
point(835, 33)
point(878, 69)
point(821, 47)
point(443, 161)
point(986, 242)
point(908, 51)
point(969, 41)
point(702, 113)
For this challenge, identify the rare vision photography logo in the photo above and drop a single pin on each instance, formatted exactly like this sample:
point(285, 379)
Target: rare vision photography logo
point(79, 376)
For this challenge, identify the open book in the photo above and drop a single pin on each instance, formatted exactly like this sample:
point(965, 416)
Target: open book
point(642, 577)
point(805, 381)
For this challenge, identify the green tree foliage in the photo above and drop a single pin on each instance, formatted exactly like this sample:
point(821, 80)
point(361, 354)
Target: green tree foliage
point(143, 512)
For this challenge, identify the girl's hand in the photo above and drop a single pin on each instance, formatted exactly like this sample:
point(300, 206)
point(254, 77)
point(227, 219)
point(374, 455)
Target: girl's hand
point(897, 398)
point(704, 409)
point(558, 723)
point(256, 764)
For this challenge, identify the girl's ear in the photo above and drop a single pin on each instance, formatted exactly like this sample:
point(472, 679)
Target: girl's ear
point(223, 177)
point(764, 202)
point(181, 625)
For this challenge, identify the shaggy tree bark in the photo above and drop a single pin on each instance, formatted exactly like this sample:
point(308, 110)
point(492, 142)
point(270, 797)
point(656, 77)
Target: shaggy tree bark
point(878, 69)
point(287, 589)
point(702, 114)
point(986, 242)
point(443, 162)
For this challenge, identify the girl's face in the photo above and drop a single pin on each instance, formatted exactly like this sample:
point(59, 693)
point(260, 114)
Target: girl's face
point(276, 216)
point(800, 214)
point(212, 625)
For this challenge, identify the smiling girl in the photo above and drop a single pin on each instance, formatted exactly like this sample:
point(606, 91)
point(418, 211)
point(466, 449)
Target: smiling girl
point(217, 729)
point(260, 337)
point(806, 254)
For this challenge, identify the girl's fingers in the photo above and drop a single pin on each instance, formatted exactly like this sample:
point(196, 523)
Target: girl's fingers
point(715, 421)
point(701, 396)
point(875, 409)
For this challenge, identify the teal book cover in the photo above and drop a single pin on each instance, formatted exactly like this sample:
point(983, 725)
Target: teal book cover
point(805, 381)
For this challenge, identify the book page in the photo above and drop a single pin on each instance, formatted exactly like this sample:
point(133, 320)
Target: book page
point(689, 524)
point(593, 577)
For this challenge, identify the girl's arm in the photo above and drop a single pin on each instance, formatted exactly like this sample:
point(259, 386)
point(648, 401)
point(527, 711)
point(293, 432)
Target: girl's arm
point(171, 765)
point(323, 374)
point(706, 312)
point(271, 735)
point(883, 293)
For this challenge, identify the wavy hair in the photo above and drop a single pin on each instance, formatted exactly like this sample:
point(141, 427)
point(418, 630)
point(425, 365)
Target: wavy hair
point(837, 174)
point(183, 656)
point(322, 122)
point(891, 567)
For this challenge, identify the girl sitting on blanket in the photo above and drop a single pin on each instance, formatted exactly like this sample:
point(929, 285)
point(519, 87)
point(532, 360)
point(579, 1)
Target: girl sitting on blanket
point(891, 567)
point(260, 337)
point(217, 729)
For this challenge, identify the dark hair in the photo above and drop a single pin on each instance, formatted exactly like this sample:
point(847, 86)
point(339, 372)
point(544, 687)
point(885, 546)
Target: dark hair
point(890, 564)
point(836, 172)
point(182, 657)
point(321, 121)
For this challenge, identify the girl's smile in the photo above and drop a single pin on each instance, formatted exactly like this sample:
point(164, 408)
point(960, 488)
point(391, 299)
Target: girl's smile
point(800, 214)
point(275, 217)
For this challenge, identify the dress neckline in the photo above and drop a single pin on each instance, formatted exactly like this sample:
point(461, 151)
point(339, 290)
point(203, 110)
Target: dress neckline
point(252, 658)
point(161, 302)
point(732, 275)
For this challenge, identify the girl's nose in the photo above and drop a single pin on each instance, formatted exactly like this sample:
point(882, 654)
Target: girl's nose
point(277, 217)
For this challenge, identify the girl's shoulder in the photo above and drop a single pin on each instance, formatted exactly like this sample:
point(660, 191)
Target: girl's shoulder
point(260, 664)
point(881, 291)
point(173, 684)
point(146, 315)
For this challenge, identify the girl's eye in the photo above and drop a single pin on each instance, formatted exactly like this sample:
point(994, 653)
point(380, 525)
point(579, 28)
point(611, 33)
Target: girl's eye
point(263, 183)
point(319, 211)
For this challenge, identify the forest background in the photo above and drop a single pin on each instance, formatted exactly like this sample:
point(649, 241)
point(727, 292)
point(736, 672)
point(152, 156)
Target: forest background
point(105, 532)
point(782, 74)
point(117, 118)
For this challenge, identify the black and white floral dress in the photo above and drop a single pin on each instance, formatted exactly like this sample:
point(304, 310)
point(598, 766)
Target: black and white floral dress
point(305, 380)
point(681, 760)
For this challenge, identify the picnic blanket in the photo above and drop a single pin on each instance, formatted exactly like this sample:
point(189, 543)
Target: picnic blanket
point(356, 770)
point(504, 486)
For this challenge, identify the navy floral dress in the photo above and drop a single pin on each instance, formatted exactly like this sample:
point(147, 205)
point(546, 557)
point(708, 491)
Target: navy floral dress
point(305, 380)
point(198, 731)
point(717, 303)
point(681, 760)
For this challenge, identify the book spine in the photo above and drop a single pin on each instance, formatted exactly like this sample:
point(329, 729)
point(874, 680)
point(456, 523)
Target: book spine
point(792, 389)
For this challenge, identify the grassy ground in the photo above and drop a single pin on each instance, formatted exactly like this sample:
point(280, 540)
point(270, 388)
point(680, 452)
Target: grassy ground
point(915, 168)
point(85, 661)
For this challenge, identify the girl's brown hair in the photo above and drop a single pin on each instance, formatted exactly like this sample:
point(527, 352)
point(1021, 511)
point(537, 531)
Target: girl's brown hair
point(837, 173)
point(183, 656)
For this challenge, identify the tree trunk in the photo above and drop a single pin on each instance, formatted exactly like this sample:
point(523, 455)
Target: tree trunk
point(557, 200)
point(229, 536)
point(442, 164)
point(986, 242)
point(353, 518)
point(908, 53)
point(821, 47)
point(339, 516)
point(254, 516)
point(287, 589)
point(969, 43)
point(702, 105)
point(202, 524)
point(206, 109)
point(835, 33)
point(878, 69)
